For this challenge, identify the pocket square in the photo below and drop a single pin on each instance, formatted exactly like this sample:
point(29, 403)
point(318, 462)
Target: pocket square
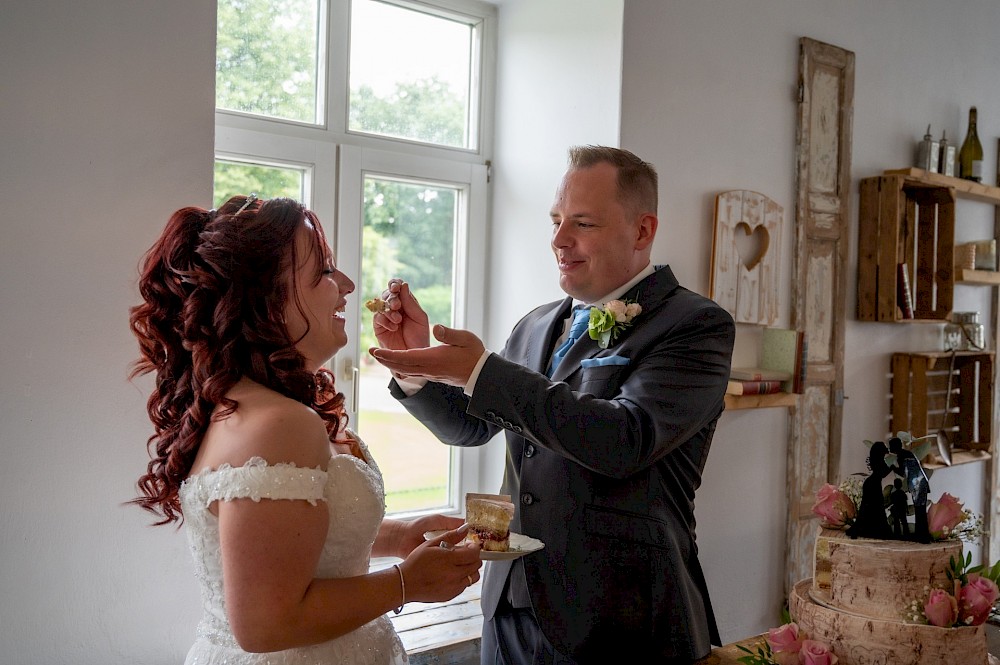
point(603, 360)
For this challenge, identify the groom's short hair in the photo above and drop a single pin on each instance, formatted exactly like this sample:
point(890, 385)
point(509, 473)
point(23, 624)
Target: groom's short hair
point(637, 180)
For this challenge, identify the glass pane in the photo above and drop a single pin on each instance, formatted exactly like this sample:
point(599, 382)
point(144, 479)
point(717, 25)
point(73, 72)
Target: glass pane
point(266, 58)
point(409, 232)
point(232, 178)
point(410, 74)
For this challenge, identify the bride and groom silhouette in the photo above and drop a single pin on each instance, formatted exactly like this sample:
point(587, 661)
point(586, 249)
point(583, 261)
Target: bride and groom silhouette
point(872, 520)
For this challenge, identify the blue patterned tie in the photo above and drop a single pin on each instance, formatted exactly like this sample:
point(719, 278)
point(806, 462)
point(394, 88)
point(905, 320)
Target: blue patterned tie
point(581, 317)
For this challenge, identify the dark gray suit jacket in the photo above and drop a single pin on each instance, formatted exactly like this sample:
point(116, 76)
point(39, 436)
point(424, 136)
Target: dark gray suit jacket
point(603, 464)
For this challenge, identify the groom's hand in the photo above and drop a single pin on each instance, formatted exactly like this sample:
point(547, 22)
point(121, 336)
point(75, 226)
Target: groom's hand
point(404, 325)
point(452, 362)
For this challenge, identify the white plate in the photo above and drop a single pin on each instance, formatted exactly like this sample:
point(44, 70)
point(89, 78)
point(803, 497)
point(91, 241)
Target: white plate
point(519, 546)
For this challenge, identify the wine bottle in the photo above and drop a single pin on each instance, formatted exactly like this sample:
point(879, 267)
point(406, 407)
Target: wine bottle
point(970, 157)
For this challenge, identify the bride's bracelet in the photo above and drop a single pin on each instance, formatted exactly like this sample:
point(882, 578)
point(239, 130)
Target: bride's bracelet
point(402, 588)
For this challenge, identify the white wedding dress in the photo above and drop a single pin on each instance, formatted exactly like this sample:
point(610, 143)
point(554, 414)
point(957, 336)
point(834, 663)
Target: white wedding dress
point(353, 491)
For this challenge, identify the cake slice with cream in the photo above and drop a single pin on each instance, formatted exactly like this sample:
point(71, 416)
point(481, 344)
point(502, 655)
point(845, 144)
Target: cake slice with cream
point(488, 517)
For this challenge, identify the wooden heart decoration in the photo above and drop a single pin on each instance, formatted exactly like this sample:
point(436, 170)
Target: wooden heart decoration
point(746, 256)
point(751, 245)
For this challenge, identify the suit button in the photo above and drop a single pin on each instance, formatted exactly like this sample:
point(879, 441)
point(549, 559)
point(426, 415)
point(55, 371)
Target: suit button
point(527, 499)
point(529, 450)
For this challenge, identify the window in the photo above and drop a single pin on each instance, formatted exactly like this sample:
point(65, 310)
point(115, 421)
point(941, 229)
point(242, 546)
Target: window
point(374, 113)
point(268, 58)
point(412, 74)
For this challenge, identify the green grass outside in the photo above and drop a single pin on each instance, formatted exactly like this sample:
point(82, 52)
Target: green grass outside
point(413, 462)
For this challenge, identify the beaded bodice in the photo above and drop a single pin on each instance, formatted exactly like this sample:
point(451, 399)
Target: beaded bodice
point(355, 496)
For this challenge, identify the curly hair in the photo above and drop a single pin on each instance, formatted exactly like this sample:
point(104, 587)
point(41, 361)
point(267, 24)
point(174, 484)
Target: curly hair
point(214, 288)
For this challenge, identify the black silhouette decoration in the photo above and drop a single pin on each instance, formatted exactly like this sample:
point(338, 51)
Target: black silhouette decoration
point(871, 521)
point(910, 488)
point(908, 467)
point(899, 508)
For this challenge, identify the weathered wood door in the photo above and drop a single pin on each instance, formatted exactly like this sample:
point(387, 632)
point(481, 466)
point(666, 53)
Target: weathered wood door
point(819, 285)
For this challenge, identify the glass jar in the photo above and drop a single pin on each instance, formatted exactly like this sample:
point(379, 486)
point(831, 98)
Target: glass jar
point(964, 332)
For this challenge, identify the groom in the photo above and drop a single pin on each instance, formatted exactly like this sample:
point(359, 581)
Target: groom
point(605, 446)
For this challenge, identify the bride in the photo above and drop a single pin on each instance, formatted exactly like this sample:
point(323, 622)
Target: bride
point(283, 505)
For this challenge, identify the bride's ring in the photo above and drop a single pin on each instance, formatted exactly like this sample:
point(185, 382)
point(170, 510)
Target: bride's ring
point(469, 578)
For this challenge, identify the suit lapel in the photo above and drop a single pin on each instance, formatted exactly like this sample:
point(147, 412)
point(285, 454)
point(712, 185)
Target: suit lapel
point(651, 293)
point(546, 329)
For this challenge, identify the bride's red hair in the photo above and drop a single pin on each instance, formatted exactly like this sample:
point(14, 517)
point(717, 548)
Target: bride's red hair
point(214, 288)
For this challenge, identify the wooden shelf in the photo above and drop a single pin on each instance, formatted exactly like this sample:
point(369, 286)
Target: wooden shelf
point(906, 233)
point(983, 277)
point(760, 401)
point(920, 383)
point(957, 457)
point(966, 189)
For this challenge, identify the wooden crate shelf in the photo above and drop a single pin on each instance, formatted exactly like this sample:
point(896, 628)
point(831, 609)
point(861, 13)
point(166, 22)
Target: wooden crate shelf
point(736, 402)
point(966, 189)
point(958, 457)
point(979, 277)
point(904, 221)
point(919, 393)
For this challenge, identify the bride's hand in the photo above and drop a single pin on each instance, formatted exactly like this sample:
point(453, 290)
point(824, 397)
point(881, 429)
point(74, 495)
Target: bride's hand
point(405, 324)
point(411, 533)
point(441, 568)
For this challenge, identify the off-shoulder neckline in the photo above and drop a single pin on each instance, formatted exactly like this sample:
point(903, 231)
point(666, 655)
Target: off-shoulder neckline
point(258, 461)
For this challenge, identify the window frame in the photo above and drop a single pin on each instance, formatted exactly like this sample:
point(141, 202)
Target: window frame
point(336, 160)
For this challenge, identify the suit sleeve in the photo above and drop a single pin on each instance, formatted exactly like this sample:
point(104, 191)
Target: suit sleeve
point(619, 420)
point(443, 409)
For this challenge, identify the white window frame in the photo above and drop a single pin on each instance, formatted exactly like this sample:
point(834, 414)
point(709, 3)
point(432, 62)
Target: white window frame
point(336, 161)
point(470, 273)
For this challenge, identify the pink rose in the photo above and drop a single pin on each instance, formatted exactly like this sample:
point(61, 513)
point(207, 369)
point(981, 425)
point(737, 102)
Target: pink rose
point(944, 516)
point(941, 609)
point(833, 507)
point(785, 640)
point(816, 653)
point(976, 599)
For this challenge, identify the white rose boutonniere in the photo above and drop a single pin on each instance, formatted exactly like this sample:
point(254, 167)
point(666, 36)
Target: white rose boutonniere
point(607, 323)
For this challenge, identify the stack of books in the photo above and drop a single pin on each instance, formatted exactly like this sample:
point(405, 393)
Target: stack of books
point(782, 367)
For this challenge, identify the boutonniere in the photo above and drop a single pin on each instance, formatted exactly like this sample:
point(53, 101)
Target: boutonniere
point(607, 323)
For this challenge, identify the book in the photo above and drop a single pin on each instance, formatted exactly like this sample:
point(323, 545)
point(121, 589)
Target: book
point(904, 295)
point(785, 350)
point(753, 387)
point(758, 374)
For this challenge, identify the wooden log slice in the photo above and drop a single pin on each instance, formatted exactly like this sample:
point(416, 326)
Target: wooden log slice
point(858, 640)
point(878, 578)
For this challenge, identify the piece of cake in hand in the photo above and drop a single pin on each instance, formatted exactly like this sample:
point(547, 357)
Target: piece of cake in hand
point(488, 517)
point(376, 305)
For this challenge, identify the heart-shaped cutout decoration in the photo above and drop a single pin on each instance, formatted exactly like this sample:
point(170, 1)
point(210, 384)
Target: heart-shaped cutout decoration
point(751, 245)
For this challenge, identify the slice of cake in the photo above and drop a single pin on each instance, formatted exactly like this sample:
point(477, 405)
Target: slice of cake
point(488, 517)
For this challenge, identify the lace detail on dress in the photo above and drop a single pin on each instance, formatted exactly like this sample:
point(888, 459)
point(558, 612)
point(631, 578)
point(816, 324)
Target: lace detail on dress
point(355, 497)
point(257, 480)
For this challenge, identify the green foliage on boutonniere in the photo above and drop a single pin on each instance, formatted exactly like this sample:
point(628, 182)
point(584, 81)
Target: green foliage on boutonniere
point(607, 323)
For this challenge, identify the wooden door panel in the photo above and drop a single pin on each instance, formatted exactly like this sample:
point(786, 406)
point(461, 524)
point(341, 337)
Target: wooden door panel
point(823, 153)
point(821, 273)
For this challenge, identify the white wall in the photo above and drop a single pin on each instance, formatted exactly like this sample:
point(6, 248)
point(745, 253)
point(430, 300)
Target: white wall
point(106, 126)
point(558, 77)
point(708, 96)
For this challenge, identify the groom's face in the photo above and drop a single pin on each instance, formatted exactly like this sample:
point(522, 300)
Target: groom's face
point(598, 244)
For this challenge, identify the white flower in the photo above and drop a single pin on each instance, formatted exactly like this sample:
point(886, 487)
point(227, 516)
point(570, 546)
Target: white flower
point(617, 309)
point(607, 323)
